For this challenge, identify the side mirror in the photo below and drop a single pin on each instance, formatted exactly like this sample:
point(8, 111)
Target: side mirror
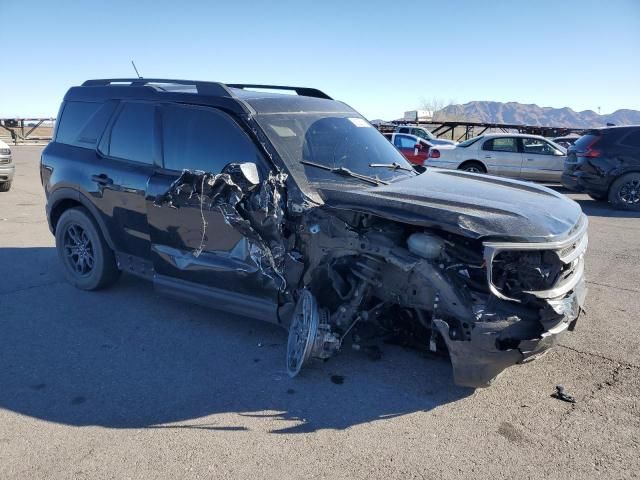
point(245, 173)
point(418, 146)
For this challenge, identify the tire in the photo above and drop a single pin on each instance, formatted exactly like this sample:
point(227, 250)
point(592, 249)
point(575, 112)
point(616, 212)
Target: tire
point(625, 192)
point(599, 197)
point(473, 167)
point(5, 186)
point(89, 263)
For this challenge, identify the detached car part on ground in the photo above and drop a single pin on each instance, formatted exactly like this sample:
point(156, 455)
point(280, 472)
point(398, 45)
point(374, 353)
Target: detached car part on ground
point(333, 233)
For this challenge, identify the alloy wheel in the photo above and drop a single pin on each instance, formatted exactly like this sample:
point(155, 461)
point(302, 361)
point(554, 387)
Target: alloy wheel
point(629, 192)
point(78, 249)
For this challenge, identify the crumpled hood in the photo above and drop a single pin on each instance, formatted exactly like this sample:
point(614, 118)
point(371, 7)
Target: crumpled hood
point(468, 204)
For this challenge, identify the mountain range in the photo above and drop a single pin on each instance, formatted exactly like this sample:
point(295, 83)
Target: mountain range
point(530, 114)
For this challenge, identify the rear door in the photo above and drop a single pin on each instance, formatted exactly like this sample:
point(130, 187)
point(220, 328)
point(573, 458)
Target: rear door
point(118, 175)
point(501, 156)
point(541, 160)
point(196, 245)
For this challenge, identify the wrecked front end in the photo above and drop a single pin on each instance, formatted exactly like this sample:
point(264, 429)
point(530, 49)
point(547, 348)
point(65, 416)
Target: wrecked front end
point(492, 304)
point(348, 276)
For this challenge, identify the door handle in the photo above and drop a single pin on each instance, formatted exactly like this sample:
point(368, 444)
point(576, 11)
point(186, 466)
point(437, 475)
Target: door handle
point(487, 156)
point(102, 179)
point(530, 159)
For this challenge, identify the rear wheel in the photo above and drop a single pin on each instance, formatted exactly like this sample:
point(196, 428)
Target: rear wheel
point(5, 186)
point(89, 263)
point(625, 192)
point(473, 167)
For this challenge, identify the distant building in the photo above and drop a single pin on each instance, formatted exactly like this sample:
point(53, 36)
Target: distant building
point(418, 116)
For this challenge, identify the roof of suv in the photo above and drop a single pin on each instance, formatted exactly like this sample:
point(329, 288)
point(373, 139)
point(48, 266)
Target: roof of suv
point(507, 134)
point(238, 98)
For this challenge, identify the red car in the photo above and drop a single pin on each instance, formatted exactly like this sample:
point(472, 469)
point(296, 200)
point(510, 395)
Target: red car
point(414, 149)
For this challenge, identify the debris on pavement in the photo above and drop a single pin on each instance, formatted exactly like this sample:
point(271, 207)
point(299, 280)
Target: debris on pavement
point(561, 394)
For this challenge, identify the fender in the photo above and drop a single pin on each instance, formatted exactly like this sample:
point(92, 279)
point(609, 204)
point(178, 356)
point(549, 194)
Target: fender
point(65, 193)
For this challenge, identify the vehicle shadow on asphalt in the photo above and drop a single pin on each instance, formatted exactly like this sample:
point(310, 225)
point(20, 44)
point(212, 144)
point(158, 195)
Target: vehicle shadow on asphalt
point(596, 208)
point(126, 357)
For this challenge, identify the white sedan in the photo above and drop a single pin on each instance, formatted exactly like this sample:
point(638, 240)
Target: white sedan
point(7, 168)
point(526, 157)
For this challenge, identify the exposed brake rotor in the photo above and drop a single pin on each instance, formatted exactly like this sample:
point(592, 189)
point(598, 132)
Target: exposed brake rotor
point(302, 332)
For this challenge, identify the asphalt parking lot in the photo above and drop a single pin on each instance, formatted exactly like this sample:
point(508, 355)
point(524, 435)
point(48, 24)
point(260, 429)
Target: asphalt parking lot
point(123, 383)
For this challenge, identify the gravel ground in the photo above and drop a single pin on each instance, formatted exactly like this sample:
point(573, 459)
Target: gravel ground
point(123, 383)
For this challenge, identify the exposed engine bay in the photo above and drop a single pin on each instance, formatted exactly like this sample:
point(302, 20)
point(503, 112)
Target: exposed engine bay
point(490, 305)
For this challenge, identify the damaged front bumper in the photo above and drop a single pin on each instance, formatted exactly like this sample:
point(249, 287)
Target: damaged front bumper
point(497, 344)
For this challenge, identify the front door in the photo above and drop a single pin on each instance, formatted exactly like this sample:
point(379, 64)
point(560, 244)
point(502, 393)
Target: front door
point(191, 244)
point(501, 156)
point(541, 161)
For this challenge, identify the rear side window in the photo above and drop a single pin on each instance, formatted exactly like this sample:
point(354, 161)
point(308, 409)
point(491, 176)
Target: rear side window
point(198, 138)
point(501, 145)
point(82, 123)
point(133, 133)
point(632, 140)
point(403, 130)
point(466, 143)
point(584, 141)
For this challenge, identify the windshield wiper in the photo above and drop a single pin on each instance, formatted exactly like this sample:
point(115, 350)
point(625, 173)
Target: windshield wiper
point(392, 166)
point(345, 172)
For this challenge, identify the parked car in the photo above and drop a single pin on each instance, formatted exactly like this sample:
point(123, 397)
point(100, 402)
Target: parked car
point(295, 210)
point(527, 157)
point(566, 141)
point(413, 148)
point(605, 163)
point(424, 133)
point(7, 168)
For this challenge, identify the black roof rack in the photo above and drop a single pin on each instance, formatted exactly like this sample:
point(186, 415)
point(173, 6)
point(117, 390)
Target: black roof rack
point(204, 88)
point(302, 91)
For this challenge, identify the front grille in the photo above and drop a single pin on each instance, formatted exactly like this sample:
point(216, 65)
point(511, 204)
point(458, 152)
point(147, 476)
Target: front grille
point(516, 271)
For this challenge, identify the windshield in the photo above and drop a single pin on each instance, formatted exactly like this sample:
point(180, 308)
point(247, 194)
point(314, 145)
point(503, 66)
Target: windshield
point(333, 140)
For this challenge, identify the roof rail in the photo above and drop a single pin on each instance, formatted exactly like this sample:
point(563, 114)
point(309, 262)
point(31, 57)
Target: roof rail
point(302, 91)
point(204, 88)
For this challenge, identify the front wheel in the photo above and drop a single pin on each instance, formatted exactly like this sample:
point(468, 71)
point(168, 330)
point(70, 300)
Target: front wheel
point(625, 192)
point(472, 167)
point(89, 263)
point(5, 186)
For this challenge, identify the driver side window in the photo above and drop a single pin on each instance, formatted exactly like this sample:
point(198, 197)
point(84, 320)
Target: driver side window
point(418, 132)
point(203, 138)
point(537, 146)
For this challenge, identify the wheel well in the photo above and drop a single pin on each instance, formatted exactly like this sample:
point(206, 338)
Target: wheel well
point(467, 162)
point(617, 177)
point(60, 208)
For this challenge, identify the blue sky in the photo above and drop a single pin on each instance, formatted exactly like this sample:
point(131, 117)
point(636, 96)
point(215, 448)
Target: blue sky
point(381, 57)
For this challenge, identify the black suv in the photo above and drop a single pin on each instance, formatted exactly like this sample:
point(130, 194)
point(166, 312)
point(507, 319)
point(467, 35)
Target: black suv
point(295, 210)
point(605, 163)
